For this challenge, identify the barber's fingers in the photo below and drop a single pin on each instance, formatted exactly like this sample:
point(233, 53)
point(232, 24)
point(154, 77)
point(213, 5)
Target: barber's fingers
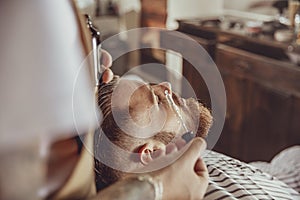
point(180, 143)
point(175, 146)
point(106, 59)
point(107, 75)
point(171, 148)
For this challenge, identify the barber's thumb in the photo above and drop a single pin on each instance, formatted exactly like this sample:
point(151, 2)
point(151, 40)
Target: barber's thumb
point(107, 76)
point(195, 149)
point(106, 58)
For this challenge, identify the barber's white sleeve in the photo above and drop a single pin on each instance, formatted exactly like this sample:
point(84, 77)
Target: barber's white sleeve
point(41, 52)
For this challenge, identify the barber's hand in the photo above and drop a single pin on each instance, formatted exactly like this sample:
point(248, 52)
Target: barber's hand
point(187, 178)
point(106, 61)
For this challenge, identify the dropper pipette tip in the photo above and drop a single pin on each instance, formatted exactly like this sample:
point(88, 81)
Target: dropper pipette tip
point(188, 135)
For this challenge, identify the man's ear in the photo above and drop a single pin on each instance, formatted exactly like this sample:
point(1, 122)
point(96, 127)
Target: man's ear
point(145, 152)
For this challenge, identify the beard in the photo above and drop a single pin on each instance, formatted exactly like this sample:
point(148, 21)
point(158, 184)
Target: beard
point(201, 117)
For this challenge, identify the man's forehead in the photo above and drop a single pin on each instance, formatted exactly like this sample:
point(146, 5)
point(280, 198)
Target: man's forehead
point(125, 90)
point(131, 84)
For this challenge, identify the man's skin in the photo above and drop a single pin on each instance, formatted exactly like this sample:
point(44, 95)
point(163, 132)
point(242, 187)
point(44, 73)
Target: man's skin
point(62, 162)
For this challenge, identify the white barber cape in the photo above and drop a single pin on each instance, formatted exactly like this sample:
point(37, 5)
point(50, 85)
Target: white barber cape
point(43, 95)
point(41, 53)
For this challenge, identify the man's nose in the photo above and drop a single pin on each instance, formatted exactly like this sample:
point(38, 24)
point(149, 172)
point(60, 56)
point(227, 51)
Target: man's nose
point(167, 86)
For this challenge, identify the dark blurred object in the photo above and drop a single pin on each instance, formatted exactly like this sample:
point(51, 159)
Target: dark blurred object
point(98, 8)
point(112, 8)
point(270, 27)
point(211, 22)
point(280, 5)
point(293, 53)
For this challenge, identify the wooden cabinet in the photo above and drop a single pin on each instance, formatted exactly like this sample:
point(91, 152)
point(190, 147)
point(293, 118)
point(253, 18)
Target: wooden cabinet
point(263, 98)
point(153, 13)
point(207, 38)
point(262, 89)
point(192, 75)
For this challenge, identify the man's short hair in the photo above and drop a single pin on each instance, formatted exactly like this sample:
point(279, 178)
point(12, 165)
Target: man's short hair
point(109, 129)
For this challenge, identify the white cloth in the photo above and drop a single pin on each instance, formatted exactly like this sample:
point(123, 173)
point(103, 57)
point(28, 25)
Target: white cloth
point(41, 53)
point(230, 179)
point(285, 166)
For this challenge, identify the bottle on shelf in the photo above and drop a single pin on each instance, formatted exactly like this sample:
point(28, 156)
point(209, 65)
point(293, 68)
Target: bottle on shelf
point(297, 26)
point(293, 8)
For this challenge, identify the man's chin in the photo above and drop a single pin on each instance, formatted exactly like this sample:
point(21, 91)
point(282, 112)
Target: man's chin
point(201, 116)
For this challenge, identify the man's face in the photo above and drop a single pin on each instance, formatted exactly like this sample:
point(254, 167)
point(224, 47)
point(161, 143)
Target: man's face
point(143, 108)
point(148, 103)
